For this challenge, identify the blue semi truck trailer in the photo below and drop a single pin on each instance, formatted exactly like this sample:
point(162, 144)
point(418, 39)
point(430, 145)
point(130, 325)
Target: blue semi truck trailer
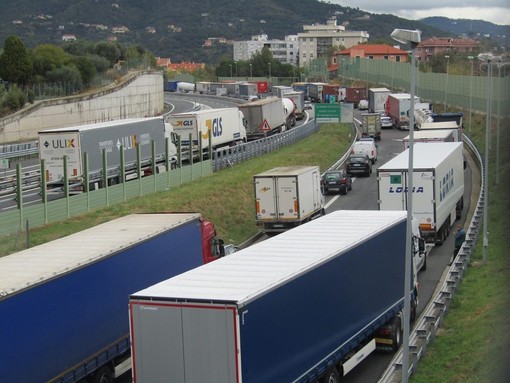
point(305, 306)
point(64, 304)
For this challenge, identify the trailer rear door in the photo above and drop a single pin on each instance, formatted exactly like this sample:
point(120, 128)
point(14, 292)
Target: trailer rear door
point(287, 197)
point(194, 343)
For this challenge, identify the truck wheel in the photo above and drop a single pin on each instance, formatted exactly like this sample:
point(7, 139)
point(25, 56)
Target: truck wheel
point(396, 336)
point(332, 376)
point(414, 310)
point(103, 375)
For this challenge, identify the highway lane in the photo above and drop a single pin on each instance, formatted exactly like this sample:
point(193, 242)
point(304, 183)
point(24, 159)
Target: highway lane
point(33, 196)
point(364, 197)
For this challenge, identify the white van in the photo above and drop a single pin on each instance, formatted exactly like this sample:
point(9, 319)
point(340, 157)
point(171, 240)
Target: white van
point(363, 105)
point(367, 147)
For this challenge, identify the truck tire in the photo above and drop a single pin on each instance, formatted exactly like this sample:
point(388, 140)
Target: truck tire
point(396, 334)
point(332, 376)
point(103, 375)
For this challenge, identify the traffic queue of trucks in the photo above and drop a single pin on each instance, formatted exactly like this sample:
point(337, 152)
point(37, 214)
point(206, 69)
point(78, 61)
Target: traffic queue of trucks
point(299, 307)
point(377, 99)
point(63, 303)
point(287, 196)
point(112, 139)
point(437, 186)
point(219, 127)
point(263, 117)
point(397, 107)
point(371, 125)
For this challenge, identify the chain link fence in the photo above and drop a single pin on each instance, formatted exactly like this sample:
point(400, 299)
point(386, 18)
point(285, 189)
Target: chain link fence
point(455, 91)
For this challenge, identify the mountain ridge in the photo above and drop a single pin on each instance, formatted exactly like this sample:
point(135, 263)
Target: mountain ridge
point(179, 29)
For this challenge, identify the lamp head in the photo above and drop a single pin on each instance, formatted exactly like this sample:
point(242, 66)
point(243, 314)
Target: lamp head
point(406, 36)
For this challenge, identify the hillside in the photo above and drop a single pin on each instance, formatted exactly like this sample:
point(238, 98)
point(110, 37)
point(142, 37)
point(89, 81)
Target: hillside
point(178, 29)
point(471, 28)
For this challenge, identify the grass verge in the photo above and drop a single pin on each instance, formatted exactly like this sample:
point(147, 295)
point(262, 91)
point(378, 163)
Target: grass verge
point(472, 345)
point(225, 198)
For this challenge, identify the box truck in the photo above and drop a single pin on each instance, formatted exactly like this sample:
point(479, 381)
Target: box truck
point(429, 136)
point(397, 107)
point(438, 186)
point(377, 99)
point(281, 90)
point(110, 137)
point(263, 117)
point(64, 303)
point(246, 90)
point(315, 91)
point(331, 93)
point(371, 125)
point(223, 127)
point(287, 196)
point(448, 126)
point(354, 94)
point(305, 306)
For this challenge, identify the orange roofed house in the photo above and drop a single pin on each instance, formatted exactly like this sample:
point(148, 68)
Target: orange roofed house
point(444, 45)
point(373, 52)
point(179, 67)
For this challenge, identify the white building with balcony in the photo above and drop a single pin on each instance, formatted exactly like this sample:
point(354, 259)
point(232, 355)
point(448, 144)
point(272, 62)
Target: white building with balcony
point(316, 40)
point(285, 51)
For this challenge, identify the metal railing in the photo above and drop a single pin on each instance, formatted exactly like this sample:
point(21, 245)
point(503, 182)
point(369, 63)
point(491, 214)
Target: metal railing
point(228, 157)
point(432, 317)
point(17, 150)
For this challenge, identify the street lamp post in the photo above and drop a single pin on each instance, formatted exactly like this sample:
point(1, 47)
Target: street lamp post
point(392, 71)
point(235, 62)
point(412, 37)
point(471, 58)
point(446, 83)
point(501, 64)
point(251, 71)
point(230, 65)
point(486, 57)
point(269, 71)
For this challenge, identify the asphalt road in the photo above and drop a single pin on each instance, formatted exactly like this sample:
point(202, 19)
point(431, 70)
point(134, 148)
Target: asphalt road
point(364, 197)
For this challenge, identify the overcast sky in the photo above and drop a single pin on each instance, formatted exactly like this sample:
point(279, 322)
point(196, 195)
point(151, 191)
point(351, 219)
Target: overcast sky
point(495, 11)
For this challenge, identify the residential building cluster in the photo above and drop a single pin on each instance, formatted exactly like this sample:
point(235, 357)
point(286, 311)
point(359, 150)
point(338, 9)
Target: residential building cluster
point(318, 41)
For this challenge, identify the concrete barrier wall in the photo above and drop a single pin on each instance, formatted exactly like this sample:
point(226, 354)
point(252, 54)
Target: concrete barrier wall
point(138, 95)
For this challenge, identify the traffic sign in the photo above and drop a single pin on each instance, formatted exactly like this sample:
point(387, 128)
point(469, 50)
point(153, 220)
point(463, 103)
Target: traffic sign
point(265, 126)
point(327, 112)
point(4, 163)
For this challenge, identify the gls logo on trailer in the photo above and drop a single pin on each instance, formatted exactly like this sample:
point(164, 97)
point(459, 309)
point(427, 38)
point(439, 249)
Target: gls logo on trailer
point(215, 125)
point(181, 123)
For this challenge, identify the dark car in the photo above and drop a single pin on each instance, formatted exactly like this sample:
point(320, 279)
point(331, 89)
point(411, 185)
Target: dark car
point(336, 181)
point(359, 164)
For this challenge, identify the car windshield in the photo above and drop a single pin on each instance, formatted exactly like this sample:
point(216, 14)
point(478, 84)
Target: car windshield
point(356, 159)
point(333, 176)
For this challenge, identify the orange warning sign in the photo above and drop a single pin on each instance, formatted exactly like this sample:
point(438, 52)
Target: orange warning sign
point(265, 125)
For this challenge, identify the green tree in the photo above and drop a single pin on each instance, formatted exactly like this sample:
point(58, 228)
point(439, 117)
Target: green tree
point(15, 62)
point(109, 51)
point(48, 57)
point(69, 76)
point(86, 67)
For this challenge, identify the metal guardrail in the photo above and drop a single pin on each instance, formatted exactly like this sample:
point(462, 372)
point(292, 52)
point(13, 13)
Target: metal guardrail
point(18, 150)
point(228, 157)
point(432, 317)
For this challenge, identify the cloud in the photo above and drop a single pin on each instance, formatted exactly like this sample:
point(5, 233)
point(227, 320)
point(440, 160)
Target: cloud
point(494, 11)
